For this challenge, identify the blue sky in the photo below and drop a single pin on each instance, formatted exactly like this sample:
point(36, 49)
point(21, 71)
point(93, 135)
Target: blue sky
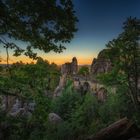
point(99, 22)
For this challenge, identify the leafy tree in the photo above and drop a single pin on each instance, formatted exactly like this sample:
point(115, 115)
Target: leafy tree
point(43, 24)
point(25, 81)
point(83, 116)
point(28, 83)
point(125, 55)
point(66, 103)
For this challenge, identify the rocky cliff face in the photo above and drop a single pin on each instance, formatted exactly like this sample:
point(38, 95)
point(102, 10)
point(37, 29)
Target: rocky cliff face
point(101, 64)
point(70, 67)
point(74, 65)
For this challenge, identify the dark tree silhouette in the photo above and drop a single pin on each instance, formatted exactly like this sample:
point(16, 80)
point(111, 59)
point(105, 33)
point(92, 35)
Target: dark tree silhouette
point(43, 24)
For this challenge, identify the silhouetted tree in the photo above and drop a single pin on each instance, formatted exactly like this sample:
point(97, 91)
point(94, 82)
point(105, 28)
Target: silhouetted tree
point(43, 24)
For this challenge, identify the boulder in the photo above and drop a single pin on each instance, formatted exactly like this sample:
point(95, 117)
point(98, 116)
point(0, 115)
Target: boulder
point(54, 118)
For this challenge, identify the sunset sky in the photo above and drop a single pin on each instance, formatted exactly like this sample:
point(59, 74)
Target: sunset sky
point(99, 22)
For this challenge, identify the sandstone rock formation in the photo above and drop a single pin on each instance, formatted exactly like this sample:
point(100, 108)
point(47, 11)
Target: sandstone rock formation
point(101, 64)
point(102, 94)
point(21, 112)
point(70, 67)
point(18, 110)
point(59, 88)
point(74, 65)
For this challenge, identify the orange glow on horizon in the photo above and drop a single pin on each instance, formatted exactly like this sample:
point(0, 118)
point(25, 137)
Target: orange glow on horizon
point(58, 61)
point(84, 57)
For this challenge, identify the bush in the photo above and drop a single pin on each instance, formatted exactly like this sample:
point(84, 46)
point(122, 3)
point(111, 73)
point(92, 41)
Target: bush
point(67, 102)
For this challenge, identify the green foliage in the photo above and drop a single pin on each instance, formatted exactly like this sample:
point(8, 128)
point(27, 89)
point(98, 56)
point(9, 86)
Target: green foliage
point(44, 24)
point(125, 55)
point(88, 115)
point(25, 79)
point(84, 70)
point(28, 83)
point(82, 117)
point(113, 78)
point(65, 104)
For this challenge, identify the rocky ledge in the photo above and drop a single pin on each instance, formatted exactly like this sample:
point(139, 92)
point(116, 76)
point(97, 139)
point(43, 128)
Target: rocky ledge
point(101, 64)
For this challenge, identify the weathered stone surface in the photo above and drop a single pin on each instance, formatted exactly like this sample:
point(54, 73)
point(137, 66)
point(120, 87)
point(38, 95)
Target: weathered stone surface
point(102, 64)
point(74, 65)
point(31, 106)
point(54, 118)
point(102, 94)
point(70, 67)
point(62, 81)
point(66, 68)
point(18, 110)
point(58, 91)
point(21, 112)
point(16, 106)
point(59, 88)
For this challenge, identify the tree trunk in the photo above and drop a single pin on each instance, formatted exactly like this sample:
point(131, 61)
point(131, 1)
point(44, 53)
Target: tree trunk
point(120, 130)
